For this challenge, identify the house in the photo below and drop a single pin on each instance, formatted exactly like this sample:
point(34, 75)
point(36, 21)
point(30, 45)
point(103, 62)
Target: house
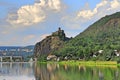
point(65, 58)
point(117, 53)
point(52, 57)
point(58, 59)
point(94, 55)
point(100, 51)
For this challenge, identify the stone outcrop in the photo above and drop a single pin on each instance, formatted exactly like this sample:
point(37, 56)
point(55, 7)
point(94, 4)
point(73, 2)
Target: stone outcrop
point(50, 43)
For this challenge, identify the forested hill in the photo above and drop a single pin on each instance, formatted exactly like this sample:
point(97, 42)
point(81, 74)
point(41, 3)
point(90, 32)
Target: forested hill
point(102, 35)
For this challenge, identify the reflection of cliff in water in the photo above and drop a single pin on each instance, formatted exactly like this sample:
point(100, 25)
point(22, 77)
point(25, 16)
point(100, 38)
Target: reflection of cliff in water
point(46, 71)
point(65, 72)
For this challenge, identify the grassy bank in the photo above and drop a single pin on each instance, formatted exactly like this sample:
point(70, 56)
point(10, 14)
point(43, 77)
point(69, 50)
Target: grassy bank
point(85, 63)
point(89, 63)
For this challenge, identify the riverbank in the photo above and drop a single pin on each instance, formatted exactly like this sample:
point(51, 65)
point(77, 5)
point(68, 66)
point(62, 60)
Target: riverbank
point(90, 63)
point(86, 63)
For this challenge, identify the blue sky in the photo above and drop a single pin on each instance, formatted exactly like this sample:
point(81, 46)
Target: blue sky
point(25, 22)
point(77, 4)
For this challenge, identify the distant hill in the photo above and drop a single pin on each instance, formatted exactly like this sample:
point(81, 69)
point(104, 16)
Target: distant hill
point(9, 47)
point(16, 47)
point(17, 51)
point(104, 35)
point(29, 47)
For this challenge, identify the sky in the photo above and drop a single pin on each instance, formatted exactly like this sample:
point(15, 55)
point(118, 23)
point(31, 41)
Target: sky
point(26, 22)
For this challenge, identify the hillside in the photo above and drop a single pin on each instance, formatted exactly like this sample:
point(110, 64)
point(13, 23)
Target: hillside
point(103, 35)
point(50, 44)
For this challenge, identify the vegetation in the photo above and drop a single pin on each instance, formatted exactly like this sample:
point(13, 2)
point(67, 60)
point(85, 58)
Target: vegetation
point(102, 35)
point(89, 63)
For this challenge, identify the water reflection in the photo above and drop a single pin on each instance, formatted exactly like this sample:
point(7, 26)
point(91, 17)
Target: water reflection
point(54, 71)
point(17, 71)
point(65, 72)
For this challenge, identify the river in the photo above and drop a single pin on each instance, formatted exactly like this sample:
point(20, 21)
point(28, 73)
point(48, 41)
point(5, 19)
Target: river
point(53, 71)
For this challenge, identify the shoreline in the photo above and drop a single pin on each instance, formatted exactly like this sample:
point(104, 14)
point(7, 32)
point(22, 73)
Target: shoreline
point(83, 63)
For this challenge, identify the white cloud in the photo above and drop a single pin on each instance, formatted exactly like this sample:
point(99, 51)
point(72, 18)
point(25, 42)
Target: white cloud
point(105, 7)
point(54, 4)
point(32, 14)
point(87, 16)
point(90, 13)
point(115, 4)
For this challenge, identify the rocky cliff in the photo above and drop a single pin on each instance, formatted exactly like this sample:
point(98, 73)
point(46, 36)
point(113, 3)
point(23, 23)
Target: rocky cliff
point(50, 43)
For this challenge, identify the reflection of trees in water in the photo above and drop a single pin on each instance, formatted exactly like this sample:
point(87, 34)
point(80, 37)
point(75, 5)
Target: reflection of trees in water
point(101, 76)
point(82, 68)
point(117, 75)
point(65, 72)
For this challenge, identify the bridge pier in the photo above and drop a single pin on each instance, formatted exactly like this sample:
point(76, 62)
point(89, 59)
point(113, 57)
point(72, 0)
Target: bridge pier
point(0, 65)
point(10, 65)
point(11, 59)
point(1, 59)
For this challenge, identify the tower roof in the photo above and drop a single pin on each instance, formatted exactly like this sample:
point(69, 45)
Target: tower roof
point(59, 28)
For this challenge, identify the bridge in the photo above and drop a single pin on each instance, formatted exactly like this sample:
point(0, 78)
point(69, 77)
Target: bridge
point(11, 58)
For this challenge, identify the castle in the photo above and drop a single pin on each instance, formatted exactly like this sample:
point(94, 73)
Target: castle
point(59, 33)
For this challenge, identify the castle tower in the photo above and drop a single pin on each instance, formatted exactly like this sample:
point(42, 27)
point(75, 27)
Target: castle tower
point(59, 29)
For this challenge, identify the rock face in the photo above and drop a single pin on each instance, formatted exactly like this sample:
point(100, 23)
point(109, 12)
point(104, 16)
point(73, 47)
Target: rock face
point(50, 43)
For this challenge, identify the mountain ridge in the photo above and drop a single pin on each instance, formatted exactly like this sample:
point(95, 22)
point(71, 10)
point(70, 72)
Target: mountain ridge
point(101, 35)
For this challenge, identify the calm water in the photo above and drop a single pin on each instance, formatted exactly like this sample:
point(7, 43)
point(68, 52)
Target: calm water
point(17, 71)
point(31, 71)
